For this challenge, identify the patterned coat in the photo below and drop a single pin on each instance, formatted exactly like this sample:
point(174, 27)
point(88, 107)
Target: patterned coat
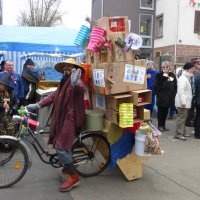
point(67, 115)
point(7, 126)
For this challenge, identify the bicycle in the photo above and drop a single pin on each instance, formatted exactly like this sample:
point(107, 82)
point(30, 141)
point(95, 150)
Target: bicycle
point(90, 150)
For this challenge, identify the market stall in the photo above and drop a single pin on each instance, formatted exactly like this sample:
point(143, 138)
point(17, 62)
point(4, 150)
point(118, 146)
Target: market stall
point(44, 45)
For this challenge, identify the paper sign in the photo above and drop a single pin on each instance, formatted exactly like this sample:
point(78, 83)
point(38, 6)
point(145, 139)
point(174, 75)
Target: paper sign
point(117, 24)
point(98, 76)
point(100, 102)
point(134, 74)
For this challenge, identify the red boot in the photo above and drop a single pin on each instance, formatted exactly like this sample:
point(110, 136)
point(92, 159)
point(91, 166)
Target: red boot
point(72, 181)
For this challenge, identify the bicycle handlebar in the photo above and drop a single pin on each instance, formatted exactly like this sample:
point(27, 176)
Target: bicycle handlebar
point(28, 112)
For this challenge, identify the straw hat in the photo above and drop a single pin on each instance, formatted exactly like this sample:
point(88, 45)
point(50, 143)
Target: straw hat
point(59, 66)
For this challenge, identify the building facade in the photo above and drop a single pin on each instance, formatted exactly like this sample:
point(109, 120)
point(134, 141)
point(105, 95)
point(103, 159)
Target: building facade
point(140, 13)
point(1, 13)
point(177, 31)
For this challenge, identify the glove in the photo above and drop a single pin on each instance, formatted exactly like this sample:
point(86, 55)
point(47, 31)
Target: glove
point(75, 76)
point(32, 107)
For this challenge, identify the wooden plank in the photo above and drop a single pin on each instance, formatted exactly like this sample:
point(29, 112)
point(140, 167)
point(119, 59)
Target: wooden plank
point(131, 166)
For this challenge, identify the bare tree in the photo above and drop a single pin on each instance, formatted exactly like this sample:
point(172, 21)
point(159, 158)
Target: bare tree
point(41, 13)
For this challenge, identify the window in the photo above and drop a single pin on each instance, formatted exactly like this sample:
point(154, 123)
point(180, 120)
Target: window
point(146, 27)
point(147, 4)
point(159, 26)
point(197, 22)
point(146, 56)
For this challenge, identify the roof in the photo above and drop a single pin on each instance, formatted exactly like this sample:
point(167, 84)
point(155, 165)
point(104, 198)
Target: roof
point(39, 39)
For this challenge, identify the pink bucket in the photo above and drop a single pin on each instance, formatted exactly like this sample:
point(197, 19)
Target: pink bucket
point(92, 47)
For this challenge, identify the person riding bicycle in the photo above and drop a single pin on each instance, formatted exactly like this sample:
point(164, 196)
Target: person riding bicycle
point(8, 106)
point(68, 115)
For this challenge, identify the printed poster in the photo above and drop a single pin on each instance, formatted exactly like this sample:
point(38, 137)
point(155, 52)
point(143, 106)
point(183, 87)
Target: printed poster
point(98, 76)
point(100, 102)
point(134, 74)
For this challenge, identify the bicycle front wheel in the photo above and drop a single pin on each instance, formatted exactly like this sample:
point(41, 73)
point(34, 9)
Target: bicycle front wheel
point(13, 162)
point(91, 154)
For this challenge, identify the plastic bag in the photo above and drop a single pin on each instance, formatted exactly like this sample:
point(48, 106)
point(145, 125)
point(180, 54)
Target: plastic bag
point(152, 145)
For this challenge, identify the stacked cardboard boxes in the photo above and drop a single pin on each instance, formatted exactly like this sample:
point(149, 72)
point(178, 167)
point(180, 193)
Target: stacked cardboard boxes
point(116, 76)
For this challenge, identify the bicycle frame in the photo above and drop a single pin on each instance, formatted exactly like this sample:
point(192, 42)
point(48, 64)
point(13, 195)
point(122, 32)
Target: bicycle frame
point(40, 150)
point(35, 142)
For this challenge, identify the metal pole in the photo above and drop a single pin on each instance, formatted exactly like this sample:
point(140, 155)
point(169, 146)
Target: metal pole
point(1, 13)
point(102, 5)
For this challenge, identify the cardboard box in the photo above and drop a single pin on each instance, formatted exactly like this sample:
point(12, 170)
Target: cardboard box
point(109, 78)
point(106, 125)
point(141, 97)
point(90, 57)
point(114, 24)
point(113, 115)
point(140, 113)
point(116, 55)
point(119, 55)
point(113, 101)
point(140, 62)
point(147, 114)
point(103, 57)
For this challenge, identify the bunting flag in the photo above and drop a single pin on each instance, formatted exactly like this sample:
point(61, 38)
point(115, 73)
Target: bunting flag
point(193, 3)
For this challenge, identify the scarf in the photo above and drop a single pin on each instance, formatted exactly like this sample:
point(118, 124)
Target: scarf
point(28, 77)
point(61, 101)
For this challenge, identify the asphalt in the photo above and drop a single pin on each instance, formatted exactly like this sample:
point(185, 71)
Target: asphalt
point(175, 175)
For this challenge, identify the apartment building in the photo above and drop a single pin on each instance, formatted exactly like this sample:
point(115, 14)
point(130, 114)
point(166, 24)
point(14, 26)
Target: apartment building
point(140, 13)
point(177, 30)
point(1, 13)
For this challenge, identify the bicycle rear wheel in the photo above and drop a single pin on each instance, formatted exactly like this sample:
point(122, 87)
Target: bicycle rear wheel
point(91, 155)
point(13, 162)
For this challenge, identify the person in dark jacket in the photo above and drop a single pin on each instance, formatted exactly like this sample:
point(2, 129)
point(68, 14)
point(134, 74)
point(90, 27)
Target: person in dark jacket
point(165, 89)
point(191, 112)
point(8, 106)
point(197, 101)
point(2, 65)
point(151, 74)
point(30, 79)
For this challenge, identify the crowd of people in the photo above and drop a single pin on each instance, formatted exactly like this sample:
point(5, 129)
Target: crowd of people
point(176, 93)
point(15, 90)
